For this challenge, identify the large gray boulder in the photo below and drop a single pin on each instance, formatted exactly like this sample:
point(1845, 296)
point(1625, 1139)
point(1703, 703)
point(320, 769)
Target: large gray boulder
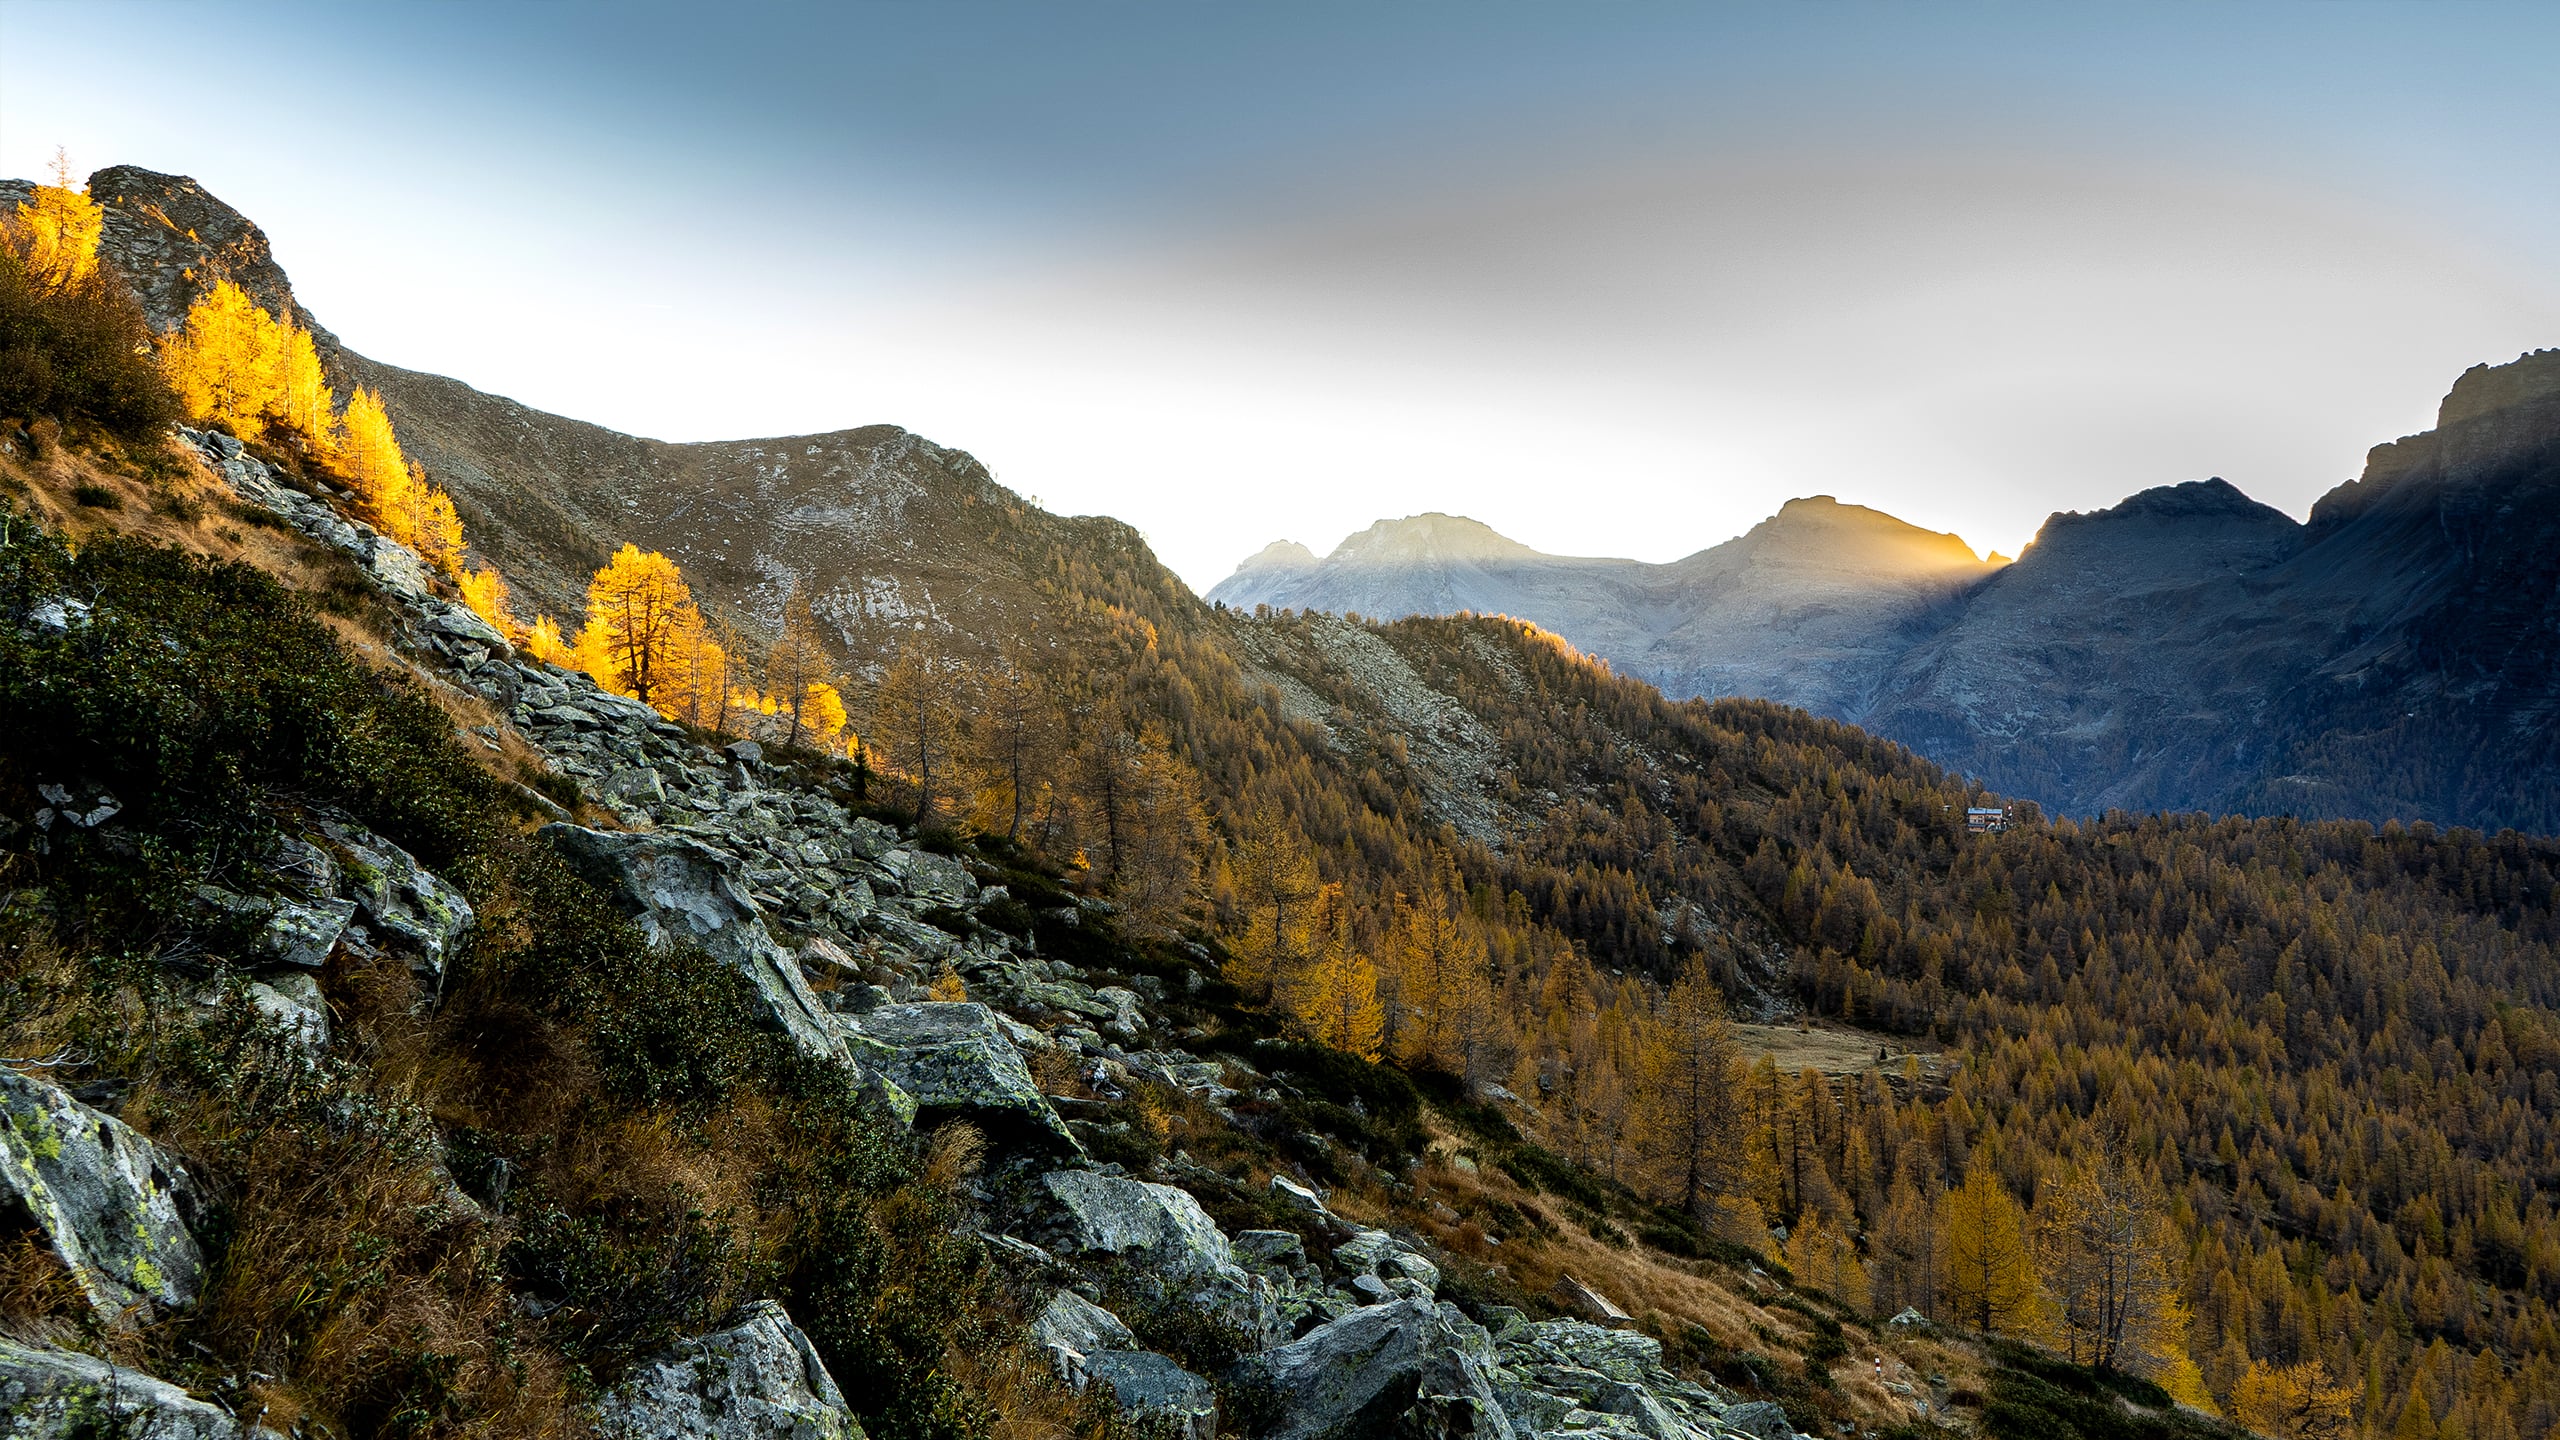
point(112, 1206)
point(1071, 1322)
point(1157, 1242)
point(1087, 1343)
point(1155, 1388)
point(954, 1059)
point(1410, 1368)
point(402, 898)
point(682, 891)
point(760, 1379)
point(50, 1394)
point(1760, 1419)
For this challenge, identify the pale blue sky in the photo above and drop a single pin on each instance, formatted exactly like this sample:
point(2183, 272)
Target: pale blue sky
point(1616, 279)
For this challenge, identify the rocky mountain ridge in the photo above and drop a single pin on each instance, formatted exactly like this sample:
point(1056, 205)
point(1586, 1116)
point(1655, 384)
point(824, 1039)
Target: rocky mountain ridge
point(2188, 648)
point(1802, 610)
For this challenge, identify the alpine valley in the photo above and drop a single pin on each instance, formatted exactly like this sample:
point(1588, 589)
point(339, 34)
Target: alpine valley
point(510, 928)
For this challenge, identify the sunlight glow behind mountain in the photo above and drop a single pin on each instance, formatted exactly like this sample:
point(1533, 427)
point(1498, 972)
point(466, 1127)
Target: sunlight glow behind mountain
point(1614, 284)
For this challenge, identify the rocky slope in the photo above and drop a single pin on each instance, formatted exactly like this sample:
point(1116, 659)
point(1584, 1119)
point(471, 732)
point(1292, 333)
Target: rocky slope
point(2186, 649)
point(1330, 1327)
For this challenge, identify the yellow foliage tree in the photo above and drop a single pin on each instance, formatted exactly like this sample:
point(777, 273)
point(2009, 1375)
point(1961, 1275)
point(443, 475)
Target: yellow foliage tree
point(57, 231)
point(1988, 1277)
point(421, 515)
point(544, 643)
point(797, 664)
point(2293, 1402)
point(1336, 998)
point(2107, 1255)
point(228, 362)
point(822, 718)
point(369, 455)
point(485, 591)
point(697, 688)
point(915, 722)
point(638, 608)
point(1442, 988)
point(1825, 1259)
point(306, 404)
point(1275, 874)
point(1689, 1073)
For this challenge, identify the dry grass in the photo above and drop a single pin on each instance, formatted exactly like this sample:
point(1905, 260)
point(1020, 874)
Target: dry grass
point(1832, 1048)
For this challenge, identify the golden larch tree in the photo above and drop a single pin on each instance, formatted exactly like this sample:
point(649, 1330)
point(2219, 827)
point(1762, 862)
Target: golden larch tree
point(915, 722)
point(1336, 997)
point(1438, 958)
point(485, 591)
point(369, 455)
point(1014, 745)
point(2107, 1255)
point(638, 606)
point(1275, 879)
point(56, 231)
point(545, 643)
point(1690, 1074)
point(1825, 1259)
point(227, 363)
point(305, 404)
point(1987, 1279)
point(2295, 1402)
point(797, 662)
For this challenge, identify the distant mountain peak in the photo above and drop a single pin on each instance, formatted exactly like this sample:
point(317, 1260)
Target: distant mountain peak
point(1434, 535)
point(1278, 555)
point(2215, 500)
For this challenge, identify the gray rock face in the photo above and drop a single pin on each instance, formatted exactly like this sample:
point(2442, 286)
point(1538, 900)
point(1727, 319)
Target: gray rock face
point(678, 889)
point(1407, 1368)
point(111, 1205)
point(1153, 1387)
point(416, 907)
point(59, 1395)
point(1072, 1321)
point(954, 1058)
point(1160, 1242)
point(1760, 1419)
point(1087, 1343)
point(760, 1379)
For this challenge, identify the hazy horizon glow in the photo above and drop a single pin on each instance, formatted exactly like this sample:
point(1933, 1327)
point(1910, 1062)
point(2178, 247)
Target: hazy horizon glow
point(1613, 281)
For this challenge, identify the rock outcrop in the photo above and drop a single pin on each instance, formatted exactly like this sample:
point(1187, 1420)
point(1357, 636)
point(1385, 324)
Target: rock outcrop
point(1410, 1367)
point(111, 1206)
point(759, 1379)
point(680, 890)
point(60, 1395)
point(954, 1059)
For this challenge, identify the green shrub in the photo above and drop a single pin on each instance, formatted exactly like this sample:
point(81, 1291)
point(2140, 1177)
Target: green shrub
point(79, 353)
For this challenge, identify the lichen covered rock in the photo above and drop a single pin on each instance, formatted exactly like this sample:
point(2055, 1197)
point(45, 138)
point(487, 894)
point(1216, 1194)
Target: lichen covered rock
point(681, 890)
point(57, 1395)
point(112, 1206)
point(954, 1059)
point(760, 1379)
point(1406, 1368)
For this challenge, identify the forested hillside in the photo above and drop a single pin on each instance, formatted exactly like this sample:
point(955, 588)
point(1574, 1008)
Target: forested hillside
point(2261, 1110)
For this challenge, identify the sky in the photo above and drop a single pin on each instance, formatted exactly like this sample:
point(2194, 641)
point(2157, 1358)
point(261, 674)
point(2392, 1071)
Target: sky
point(1616, 279)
